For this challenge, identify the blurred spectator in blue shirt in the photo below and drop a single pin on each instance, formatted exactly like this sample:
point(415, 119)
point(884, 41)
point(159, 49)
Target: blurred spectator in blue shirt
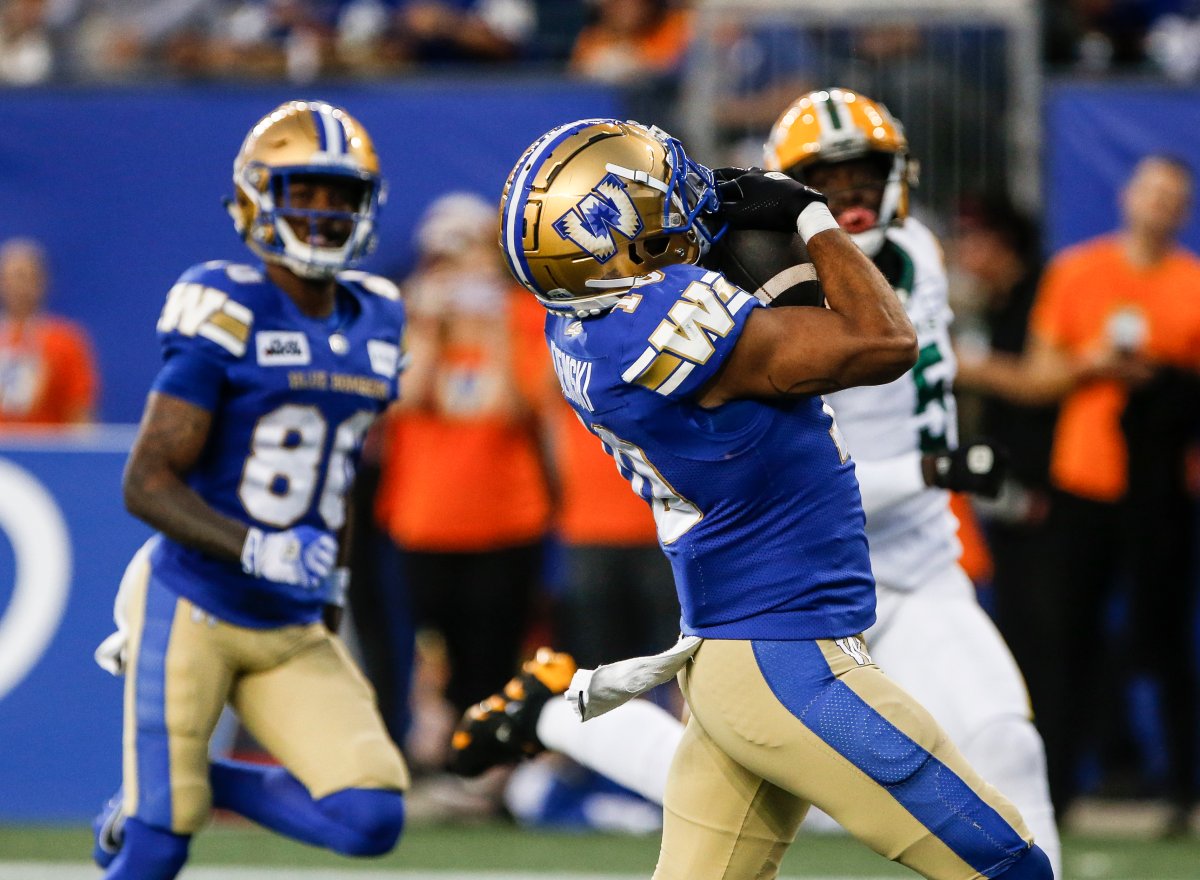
point(762, 67)
point(1095, 36)
point(466, 30)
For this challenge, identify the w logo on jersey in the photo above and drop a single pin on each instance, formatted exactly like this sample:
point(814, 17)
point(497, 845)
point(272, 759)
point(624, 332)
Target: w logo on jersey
point(605, 210)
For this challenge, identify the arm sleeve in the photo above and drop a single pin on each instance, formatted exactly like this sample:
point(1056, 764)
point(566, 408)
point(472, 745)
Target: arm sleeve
point(402, 336)
point(888, 481)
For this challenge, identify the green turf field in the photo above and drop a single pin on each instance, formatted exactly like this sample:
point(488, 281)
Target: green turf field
point(503, 852)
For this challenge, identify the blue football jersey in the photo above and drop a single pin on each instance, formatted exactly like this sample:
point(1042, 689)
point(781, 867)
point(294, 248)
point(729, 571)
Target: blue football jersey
point(291, 398)
point(756, 502)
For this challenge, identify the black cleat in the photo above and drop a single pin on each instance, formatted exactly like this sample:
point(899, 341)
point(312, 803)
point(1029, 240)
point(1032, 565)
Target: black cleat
point(503, 728)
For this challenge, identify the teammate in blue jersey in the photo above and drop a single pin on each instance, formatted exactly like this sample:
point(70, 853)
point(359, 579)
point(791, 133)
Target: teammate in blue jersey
point(272, 374)
point(710, 404)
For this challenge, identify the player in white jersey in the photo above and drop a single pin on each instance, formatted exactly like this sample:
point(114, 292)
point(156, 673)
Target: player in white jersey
point(931, 635)
point(892, 427)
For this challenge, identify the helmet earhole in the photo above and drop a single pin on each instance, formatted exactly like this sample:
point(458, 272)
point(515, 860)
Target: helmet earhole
point(657, 246)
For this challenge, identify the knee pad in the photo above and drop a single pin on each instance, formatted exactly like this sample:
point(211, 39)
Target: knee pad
point(884, 751)
point(149, 853)
point(371, 820)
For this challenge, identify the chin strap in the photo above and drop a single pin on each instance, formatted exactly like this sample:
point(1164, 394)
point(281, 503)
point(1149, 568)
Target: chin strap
point(586, 307)
point(589, 306)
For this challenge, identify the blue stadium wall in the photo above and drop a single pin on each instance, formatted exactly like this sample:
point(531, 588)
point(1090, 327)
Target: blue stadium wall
point(1094, 135)
point(125, 188)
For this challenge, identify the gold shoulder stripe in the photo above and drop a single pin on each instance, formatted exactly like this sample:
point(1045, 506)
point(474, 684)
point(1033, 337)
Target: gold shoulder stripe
point(658, 372)
point(231, 325)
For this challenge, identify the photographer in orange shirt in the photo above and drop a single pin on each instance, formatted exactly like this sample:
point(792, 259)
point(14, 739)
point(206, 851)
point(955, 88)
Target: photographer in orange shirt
point(1116, 326)
point(47, 369)
point(464, 489)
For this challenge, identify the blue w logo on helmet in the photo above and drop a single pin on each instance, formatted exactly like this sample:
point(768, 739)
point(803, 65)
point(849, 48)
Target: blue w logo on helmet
point(591, 224)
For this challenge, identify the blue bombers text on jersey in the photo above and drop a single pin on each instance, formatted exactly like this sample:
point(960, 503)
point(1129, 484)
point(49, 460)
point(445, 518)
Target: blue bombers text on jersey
point(756, 502)
point(291, 398)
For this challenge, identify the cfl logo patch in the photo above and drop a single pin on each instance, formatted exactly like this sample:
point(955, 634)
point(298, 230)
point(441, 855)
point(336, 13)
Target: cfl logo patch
point(856, 649)
point(606, 210)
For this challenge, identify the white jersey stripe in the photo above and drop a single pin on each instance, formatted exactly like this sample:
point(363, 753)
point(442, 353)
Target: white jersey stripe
point(639, 366)
point(676, 379)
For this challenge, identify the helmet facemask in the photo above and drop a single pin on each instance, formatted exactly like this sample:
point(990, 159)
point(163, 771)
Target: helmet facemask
point(691, 194)
point(867, 193)
point(273, 233)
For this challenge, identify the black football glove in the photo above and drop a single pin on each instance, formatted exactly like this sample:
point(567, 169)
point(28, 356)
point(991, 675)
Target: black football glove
point(755, 199)
point(977, 468)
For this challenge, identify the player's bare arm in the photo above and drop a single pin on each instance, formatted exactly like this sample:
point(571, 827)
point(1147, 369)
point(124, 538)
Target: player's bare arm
point(1045, 373)
point(170, 441)
point(864, 336)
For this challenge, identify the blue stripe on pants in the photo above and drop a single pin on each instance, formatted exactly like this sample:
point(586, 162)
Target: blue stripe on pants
point(799, 676)
point(150, 690)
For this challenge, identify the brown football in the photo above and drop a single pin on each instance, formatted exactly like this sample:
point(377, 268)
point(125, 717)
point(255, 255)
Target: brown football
point(774, 266)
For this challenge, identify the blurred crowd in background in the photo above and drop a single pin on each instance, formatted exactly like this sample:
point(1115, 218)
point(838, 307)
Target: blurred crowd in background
point(491, 522)
point(44, 41)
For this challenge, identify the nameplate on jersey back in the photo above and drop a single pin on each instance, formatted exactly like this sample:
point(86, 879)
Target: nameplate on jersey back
point(281, 348)
point(574, 376)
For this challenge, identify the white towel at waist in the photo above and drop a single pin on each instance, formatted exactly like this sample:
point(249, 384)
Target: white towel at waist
point(110, 655)
point(593, 692)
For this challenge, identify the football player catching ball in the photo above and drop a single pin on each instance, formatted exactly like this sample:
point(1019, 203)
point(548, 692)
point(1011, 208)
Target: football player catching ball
point(711, 406)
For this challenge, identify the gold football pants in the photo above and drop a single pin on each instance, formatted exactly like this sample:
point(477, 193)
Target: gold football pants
point(295, 689)
point(779, 725)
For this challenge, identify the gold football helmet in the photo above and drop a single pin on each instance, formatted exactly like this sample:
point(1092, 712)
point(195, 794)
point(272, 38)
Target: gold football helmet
point(304, 139)
point(837, 125)
point(594, 205)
